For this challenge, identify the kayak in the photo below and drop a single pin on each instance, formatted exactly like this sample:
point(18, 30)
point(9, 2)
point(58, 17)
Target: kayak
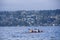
point(35, 31)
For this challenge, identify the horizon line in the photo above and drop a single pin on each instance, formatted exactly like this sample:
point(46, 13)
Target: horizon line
point(30, 10)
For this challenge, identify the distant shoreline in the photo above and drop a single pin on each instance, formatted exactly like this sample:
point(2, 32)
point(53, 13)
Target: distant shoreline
point(28, 10)
point(30, 18)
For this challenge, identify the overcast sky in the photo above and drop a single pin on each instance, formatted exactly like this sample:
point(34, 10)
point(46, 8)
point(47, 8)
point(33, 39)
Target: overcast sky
point(12, 5)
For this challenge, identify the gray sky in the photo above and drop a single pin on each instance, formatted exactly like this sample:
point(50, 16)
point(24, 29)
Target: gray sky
point(12, 5)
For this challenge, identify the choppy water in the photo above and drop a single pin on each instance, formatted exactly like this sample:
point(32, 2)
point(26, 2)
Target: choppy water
point(22, 33)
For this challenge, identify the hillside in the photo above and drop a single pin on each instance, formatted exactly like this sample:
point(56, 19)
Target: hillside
point(30, 18)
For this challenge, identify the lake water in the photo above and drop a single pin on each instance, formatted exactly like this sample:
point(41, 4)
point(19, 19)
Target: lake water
point(22, 33)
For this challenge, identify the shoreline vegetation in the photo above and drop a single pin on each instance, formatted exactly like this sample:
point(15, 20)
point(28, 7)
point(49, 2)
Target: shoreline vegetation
point(30, 18)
